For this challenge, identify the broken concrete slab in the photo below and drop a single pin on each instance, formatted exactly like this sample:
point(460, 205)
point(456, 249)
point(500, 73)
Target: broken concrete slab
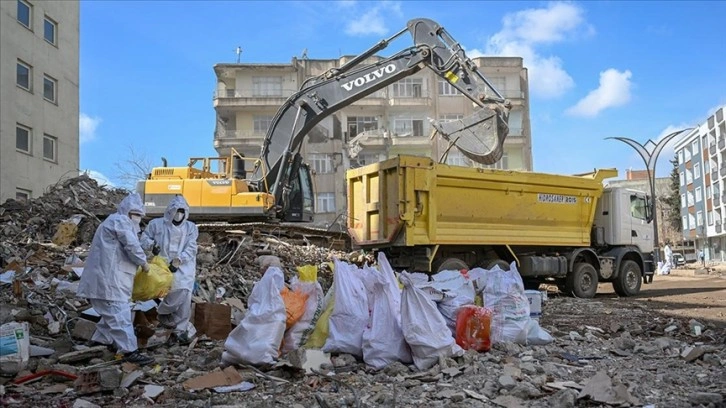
point(81, 403)
point(129, 379)
point(475, 395)
point(692, 353)
point(600, 388)
point(83, 329)
point(152, 391)
point(82, 355)
point(705, 398)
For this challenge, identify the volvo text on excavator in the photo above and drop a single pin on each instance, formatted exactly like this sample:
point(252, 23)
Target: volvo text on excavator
point(277, 186)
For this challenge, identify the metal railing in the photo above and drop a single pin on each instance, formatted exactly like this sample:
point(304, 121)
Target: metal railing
point(252, 93)
point(237, 134)
point(712, 148)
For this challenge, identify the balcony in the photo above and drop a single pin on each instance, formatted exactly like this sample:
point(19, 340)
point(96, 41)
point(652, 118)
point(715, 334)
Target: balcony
point(718, 227)
point(378, 98)
point(419, 97)
point(721, 143)
point(240, 98)
point(712, 149)
point(722, 170)
point(716, 201)
point(714, 175)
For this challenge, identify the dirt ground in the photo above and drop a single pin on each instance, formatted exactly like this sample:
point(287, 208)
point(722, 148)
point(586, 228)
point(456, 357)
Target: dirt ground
point(697, 297)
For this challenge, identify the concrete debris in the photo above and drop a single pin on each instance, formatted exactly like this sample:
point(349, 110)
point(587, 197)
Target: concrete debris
point(606, 350)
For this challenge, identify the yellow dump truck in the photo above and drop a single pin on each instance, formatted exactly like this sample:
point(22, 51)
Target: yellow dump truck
point(568, 230)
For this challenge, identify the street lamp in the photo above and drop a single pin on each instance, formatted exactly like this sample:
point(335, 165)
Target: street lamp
point(649, 152)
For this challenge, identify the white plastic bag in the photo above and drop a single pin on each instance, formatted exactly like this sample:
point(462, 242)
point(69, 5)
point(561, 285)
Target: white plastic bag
point(296, 336)
point(350, 311)
point(455, 299)
point(423, 327)
point(533, 335)
point(383, 341)
point(257, 338)
point(14, 347)
point(504, 296)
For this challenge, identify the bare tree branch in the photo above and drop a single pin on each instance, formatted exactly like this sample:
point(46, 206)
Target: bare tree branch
point(135, 167)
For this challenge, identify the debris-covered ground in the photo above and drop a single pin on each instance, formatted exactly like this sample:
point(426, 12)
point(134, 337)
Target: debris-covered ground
point(664, 348)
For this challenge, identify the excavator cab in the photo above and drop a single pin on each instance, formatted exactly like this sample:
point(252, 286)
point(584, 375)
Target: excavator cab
point(300, 206)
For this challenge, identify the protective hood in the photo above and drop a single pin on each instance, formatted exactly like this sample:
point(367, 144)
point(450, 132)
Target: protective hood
point(178, 202)
point(131, 202)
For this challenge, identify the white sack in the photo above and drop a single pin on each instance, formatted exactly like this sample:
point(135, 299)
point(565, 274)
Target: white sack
point(383, 341)
point(504, 296)
point(256, 340)
point(350, 311)
point(423, 327)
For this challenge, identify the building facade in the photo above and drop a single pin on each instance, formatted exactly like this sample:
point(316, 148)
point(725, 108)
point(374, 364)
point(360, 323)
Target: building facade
point(392, 121)
point(702, 173)
point(39, 74)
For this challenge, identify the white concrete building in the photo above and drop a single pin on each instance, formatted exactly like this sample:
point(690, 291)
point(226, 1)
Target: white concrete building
point(393, 120)
point(39, 74)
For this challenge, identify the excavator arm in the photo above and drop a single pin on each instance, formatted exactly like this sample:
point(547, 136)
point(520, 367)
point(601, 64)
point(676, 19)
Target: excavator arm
point(479, 136)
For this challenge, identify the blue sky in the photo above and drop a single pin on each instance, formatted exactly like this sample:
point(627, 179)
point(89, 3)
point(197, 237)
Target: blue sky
point(596, 69)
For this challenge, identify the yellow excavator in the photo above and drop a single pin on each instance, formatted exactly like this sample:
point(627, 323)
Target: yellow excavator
point(278, 186)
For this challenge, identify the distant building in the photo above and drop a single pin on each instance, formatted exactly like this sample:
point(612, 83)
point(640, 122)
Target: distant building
point(39, 60)
point(389, 122)
point(702, 174)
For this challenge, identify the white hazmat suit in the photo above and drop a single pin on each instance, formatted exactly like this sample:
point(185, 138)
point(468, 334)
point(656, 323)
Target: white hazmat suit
point(176, 239)
point(108, 275)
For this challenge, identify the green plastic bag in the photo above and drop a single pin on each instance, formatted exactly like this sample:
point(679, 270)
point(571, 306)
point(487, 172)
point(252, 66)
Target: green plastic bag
point(153, 284)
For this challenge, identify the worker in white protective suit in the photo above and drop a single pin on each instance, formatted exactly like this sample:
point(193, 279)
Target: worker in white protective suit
point(174, 237)
point(108, 278)
point(668, 263)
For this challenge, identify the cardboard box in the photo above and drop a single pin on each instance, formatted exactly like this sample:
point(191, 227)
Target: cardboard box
point(213, 320)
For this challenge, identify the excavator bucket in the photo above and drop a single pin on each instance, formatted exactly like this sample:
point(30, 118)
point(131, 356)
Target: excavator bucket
point(480, 136)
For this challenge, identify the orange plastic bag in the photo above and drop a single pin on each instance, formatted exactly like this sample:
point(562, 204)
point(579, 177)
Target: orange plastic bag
point(294, 305)
point(472, 328)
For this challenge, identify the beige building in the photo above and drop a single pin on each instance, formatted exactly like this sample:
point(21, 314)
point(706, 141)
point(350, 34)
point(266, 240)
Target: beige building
point(39, 60)
point(389, 122)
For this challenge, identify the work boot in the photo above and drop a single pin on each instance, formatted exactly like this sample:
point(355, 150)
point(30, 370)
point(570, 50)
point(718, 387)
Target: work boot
point(178, 339)
point(137, 358)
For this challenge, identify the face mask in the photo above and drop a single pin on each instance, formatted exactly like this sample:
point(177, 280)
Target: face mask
point(136, 219)
point(178, 217)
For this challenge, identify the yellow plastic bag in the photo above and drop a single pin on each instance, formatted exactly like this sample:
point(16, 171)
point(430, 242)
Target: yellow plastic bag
point(307, 273)
point(319, 336)
point(153, 284)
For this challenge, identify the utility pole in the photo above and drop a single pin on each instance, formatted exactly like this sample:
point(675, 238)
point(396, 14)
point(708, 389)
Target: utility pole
point(238, 51)
point(649, 152)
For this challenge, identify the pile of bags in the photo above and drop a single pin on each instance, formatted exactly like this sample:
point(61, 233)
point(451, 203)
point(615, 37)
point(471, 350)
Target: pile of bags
point(381, 318)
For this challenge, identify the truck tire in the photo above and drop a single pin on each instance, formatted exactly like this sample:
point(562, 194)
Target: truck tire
point(490, 264)
point(629, 279)
point(449, 264)
point(582, 281)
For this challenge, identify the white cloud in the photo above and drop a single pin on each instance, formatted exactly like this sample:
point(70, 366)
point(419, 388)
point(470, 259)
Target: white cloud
point(372, 22)
point(614, 90)
point(524, 30)
point(100, 178)
point(87, 127)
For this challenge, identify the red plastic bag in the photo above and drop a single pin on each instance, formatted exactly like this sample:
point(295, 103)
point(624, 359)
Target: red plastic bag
point(472, 328)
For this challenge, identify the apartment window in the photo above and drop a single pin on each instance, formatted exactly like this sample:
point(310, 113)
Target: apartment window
point(450, 117)
point(710, 217)
point(689, 199)
point(696, 170)
point(321, 163)
point(267, 86)
point(681, 178)
point(680, 157)
point(22, 194)
point(687, 152)
point(25, 13)
point(699, 218)
point(708, 192)
point(359, 124)
point(694, 146)
point(446, 89)
point(49, 88)
point(23, 75)
point(408, 127)
point(261, 124)
point(49, 30)
point(685, 223)
point(689, 176)
point(683, 200)
point(706, 166)
point(698, 194)
point(50, 148)
point(408, 88)
point(456, 158)
point(325, 203)
point(22, 138)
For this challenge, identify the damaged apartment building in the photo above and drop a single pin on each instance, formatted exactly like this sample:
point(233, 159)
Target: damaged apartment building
point(391, 121)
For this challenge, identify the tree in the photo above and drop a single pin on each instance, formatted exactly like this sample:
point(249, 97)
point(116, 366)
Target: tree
point(134, 168)
point(672, 202)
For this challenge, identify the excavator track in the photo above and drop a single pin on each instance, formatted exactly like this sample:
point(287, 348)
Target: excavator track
point(293, 233)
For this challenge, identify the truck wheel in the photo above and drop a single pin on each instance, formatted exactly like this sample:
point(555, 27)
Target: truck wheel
point(629, 279)
point(582, 281)
point(490, 264)
point(449, 264)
